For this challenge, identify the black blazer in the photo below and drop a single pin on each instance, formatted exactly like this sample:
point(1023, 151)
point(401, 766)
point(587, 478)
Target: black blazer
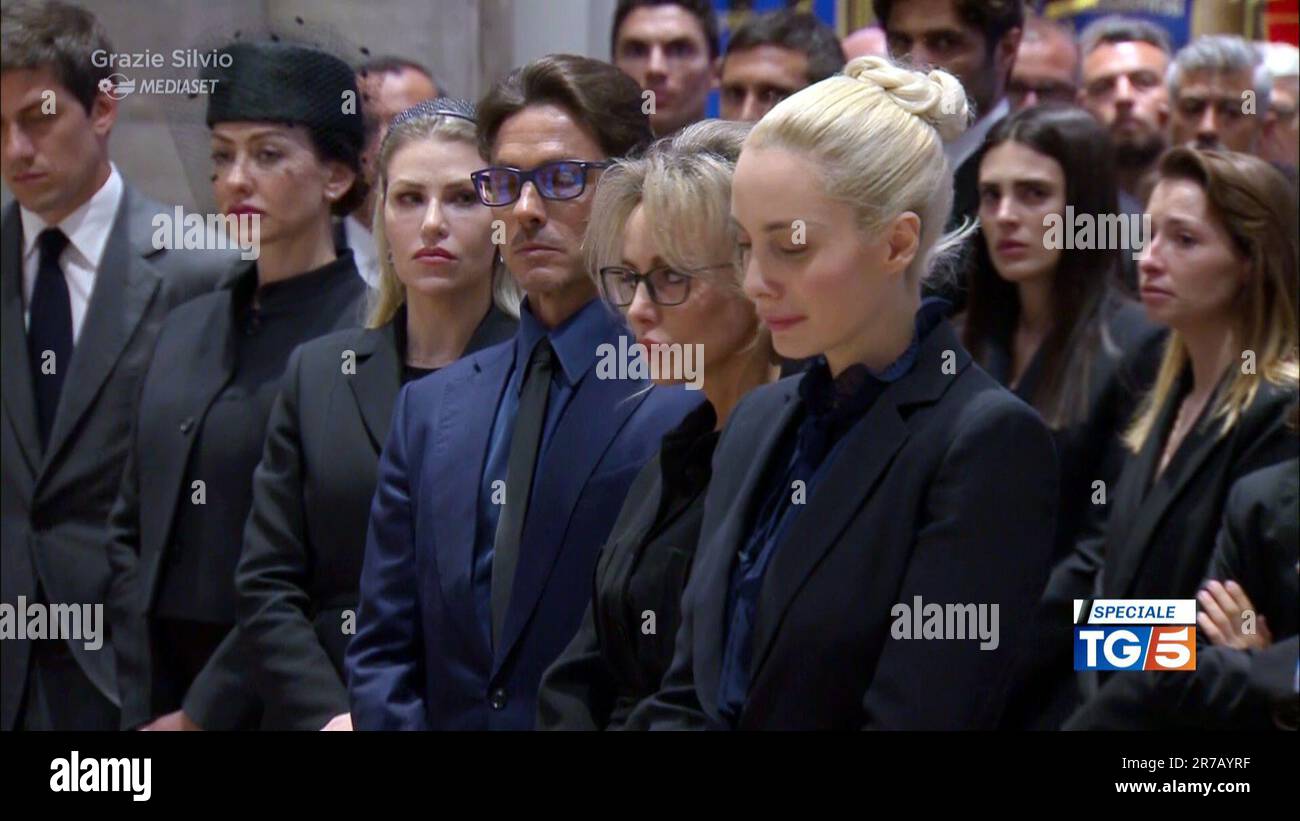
point(946, 490)
point(306, 534)
point(1258, 547)
point(1090, 449)
point(1157, 540)
point(615, 661)
point(193, 361)
point(1122, 368)
point(1159, 537)
point(53, 504)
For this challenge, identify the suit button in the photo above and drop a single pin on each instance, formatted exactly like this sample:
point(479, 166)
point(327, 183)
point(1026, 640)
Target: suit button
point(497, 699)
point(187, 425)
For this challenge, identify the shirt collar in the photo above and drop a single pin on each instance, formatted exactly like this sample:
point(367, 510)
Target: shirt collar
point(86, 228)
point(574, 341)
point(854, 389)
point(960, 149)
point(362, 243)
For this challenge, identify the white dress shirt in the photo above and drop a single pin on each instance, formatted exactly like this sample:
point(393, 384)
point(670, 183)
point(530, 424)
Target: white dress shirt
point(362, 243)
point(87, 231)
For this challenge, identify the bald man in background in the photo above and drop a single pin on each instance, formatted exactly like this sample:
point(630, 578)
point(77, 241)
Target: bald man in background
point(868, 41)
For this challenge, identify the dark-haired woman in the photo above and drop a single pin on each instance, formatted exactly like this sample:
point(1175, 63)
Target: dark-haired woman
point(285, 153)
point(1052, 325)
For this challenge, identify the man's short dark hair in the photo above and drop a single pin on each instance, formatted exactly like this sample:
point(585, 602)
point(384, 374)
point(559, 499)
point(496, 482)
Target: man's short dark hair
point(594, 92)
point(993, 17)
point(58, 36)
point(796, 31)
point(701, 10)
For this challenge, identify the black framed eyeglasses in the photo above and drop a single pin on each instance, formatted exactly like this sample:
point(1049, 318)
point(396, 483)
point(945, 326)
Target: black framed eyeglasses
point(559, 180)
point(666, 286)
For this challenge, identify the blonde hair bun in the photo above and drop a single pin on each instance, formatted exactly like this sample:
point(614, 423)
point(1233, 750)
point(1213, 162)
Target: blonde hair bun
point(936, 97)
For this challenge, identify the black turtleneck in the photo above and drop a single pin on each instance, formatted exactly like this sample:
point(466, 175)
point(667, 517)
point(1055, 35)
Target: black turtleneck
point(267, 323)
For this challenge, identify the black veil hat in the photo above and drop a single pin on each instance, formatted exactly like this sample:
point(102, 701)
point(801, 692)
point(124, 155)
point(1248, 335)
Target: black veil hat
point(187, 115)
point(292, 84)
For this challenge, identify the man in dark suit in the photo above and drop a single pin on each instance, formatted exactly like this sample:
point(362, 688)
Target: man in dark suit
point(503, 473)
point(974, 40)
point(83, 290)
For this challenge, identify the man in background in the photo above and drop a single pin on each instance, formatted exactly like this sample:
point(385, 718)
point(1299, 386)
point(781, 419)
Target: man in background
point(670, 47)
point(1124, 65)
point(1047, 66)
point(83, 291)
point(1219, 90)
point(771, 57)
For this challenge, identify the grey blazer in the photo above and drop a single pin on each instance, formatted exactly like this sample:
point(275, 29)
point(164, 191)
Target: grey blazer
point(54, 504)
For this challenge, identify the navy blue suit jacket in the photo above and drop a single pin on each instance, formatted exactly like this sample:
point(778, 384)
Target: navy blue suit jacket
point(420, 658)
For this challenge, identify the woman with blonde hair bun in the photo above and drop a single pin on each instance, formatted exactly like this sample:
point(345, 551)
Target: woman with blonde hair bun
point(869, 521)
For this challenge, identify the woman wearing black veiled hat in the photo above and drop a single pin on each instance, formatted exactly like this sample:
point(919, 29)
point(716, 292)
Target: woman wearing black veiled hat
point(299, 575)
point(286, 137)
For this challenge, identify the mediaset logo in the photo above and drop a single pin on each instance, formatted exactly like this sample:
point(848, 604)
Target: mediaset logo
point(1135, 634)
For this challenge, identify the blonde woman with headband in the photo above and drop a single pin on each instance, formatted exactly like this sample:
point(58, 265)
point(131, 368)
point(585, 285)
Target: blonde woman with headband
point(299, 572)
point(876, 529)
point(662, 247)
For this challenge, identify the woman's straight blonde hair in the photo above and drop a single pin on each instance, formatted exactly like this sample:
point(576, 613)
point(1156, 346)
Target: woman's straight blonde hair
point(1257, 206)
point(390, 294)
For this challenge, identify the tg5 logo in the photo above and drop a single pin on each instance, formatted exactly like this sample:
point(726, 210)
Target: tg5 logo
point(1135, 634)
point(1135, 648)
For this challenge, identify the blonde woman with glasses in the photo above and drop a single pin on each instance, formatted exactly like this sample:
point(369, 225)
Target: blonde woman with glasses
point(662, 247)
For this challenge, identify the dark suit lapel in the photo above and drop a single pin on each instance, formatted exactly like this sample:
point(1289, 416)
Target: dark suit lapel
point(851, 479)
point(211, 368)
point(379, 367)
point(497, 326)
point(469, 405)
point(720, 552)
point(378, 378)
point(125, 284)
point(1195, 449)
point(15, 376)
point(589, 424)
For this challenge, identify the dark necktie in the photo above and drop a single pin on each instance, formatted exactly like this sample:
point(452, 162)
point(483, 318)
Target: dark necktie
point(524, 442)
point(49, 329)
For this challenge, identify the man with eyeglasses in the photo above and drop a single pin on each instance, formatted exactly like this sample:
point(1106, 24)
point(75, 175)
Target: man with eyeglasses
point(503, 473)
point(1124, 65)
point(1047, 66)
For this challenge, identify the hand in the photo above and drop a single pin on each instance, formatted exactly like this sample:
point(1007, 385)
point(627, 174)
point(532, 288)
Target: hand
point(176, 721)
point(1223, 608)
point(340, 722)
